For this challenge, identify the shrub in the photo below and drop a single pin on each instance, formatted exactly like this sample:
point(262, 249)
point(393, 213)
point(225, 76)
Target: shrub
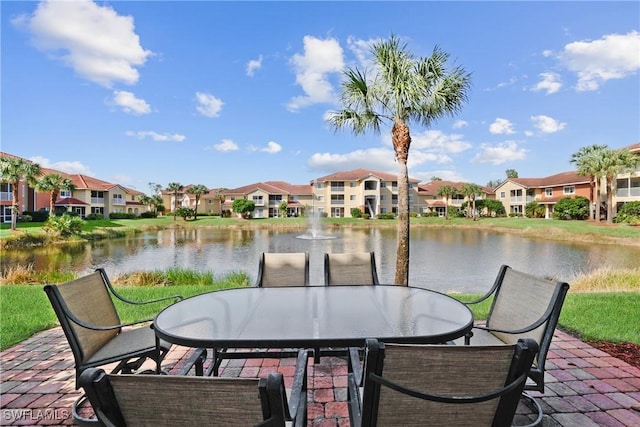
point(571, 208)
point(356, 213)
point(366, 216)
point(386, 215)
point(26, 218)
point(65, 225)
point(629, 213)
point(534, 210)
point(185, 213)
point(37, 216)
point(94, 217)
point(149, 214)
point(122, 215)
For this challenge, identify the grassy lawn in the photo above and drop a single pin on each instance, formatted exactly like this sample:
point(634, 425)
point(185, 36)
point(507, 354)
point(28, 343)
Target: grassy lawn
point(25, 310)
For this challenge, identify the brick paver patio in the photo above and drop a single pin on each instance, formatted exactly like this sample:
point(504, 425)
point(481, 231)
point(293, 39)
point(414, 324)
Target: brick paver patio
point(585, 386)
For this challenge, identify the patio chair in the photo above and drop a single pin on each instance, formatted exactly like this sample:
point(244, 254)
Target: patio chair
point(350, 269)
point(283, 269)
point(176, 400)
point(522, 306)
point(97, 336)
point(437, 385)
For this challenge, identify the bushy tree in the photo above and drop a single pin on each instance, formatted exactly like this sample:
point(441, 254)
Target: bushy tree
point(185, 213)
point(572, 208)
point(243, 207)
point(629, 213)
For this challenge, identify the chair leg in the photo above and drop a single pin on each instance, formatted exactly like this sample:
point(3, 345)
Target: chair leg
point(535, 402)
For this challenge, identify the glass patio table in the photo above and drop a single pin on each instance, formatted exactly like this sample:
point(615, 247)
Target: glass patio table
point(313, 317)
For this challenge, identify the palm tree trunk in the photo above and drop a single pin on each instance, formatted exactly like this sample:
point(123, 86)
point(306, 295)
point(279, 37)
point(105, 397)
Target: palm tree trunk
point(401, 142)
point(16, 206)
point(610, 209)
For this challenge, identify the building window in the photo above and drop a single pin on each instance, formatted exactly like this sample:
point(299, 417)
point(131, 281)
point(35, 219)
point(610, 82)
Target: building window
point(337, 199)
point(65, 193)
point(257, 200)
point(548, 192)
point(569, 189)
point(97, 210)
point(383, 184)
point(352, 184)
point(503, 195)
point(383, 197)
point(337, 185)
point(370, 185)
point(118, 199)
point(97, 196)
point(352, 197)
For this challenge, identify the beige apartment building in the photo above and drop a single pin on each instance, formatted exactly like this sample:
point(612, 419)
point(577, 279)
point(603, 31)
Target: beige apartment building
point(370, 191)
point(516, 193)
point(429, 201)
point(268, 196)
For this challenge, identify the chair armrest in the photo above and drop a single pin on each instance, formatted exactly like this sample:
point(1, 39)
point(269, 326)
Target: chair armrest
point(545, 316)
point(354, 365)
point(298, 399)
point(106, 280)
point(86, 325)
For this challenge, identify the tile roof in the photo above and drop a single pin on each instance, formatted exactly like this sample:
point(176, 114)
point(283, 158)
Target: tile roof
point(70, 201)
point(272, 187)
point(431, 188)
point(563, 178)
point(361, 174)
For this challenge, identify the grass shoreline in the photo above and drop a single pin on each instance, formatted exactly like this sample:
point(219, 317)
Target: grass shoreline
point(31, 234)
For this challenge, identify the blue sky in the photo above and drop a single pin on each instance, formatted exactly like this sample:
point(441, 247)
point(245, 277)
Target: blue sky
point(230, 93)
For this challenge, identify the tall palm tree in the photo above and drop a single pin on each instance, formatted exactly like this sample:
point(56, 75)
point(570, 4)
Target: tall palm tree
point(53, 183)
point(447, 191)
point(197, 190)
point(612, 163)
point(175, 188)
point(587, 160)
point(401, 89)
point(13, 170)
point(471, 192)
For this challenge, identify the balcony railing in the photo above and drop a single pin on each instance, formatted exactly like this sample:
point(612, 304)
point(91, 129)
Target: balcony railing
point(516, 199)
point(337, 188)
point(118, 202)
point(97, 200)
point(6, 196)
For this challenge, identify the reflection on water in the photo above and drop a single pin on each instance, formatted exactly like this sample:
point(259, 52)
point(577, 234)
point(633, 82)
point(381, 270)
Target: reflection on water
point(441, 259)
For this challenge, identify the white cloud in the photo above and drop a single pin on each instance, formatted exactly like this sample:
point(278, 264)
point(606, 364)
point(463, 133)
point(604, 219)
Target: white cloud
point(500, 153)
point(439, 142)
point(100, 45)
point(362, 50)
point(614, 56)
point(253, 65)
point(320, 59)
point(380, 159)
point(65, 166)
point(501, 127)
point(547, 124)
point(156, 136)
point(459, 124)
point(130, 104)
point(272, 148)
point(225, 145)
point(550, 83)
point(208, 105)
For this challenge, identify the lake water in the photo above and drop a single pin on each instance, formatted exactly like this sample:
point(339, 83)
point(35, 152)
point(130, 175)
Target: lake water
point(441, 259)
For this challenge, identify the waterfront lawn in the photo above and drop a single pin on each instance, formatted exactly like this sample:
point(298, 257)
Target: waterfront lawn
point(25, 310)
